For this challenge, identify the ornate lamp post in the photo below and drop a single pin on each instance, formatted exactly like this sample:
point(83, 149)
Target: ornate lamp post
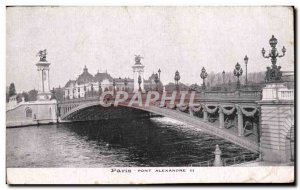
point(159, 71)
point(177, 78)
point(84, 89)
point(238, 71)
point(125, 83)
point(273, 73)
point(114, 85)
point(140, 81)
point(156, 80)
point(203, 75)
point(246, 62)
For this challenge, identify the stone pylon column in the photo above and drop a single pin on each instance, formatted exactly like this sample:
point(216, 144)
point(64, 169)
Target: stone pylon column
point(43, 67)
point(221, 117)
point(240, 121)
point(218, 160)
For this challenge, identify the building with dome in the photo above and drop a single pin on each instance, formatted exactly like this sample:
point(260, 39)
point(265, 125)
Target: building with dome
point(90, 85)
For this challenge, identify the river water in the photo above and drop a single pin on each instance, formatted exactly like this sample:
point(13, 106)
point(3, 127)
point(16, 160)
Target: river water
point(113, 143)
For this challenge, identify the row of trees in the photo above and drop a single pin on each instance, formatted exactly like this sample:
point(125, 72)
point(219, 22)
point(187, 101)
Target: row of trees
point(28, 96)
point(216, 79)
point(57, 93)
point(214, 82)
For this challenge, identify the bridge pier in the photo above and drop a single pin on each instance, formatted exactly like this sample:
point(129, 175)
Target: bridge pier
point(277, 124)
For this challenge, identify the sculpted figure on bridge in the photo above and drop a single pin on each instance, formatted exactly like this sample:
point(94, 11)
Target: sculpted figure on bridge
point(138, 59)
point(42, 54)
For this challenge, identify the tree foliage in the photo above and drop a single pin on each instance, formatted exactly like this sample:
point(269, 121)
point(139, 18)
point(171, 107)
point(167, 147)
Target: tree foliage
point(12, 90)
point(32, 95)
point(25, 95)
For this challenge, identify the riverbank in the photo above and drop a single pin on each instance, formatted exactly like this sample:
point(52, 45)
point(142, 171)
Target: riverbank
point(18, 124)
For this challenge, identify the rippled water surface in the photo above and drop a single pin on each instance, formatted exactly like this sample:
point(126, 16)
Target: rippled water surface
point(142, 142)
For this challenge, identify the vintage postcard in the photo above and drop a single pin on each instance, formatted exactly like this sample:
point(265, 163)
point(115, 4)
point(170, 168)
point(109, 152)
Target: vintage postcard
point(150, 95)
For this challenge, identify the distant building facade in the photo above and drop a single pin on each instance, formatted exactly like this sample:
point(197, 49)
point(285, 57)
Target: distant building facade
point(86, 84)
point(89, 85)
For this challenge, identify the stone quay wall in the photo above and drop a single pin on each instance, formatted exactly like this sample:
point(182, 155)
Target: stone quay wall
point(32, 113)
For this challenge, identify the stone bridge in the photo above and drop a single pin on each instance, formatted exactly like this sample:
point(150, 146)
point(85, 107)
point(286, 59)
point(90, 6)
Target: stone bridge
point(229, 115)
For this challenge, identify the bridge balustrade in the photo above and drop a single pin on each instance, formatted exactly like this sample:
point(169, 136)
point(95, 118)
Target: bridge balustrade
point(286, 94)
point(210, 95)
point(256, 95)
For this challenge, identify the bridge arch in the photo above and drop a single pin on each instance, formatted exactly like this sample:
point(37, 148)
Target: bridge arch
point(193, 121)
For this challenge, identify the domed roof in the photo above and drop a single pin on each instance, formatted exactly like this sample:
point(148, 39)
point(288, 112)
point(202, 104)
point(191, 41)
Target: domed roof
point(85, 77)
point(99, 77)
point(69, 83)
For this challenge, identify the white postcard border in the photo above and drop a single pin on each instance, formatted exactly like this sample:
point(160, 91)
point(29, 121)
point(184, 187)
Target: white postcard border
point(156, 175)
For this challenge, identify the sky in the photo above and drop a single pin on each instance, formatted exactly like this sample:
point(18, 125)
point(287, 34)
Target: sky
point(168, 38)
